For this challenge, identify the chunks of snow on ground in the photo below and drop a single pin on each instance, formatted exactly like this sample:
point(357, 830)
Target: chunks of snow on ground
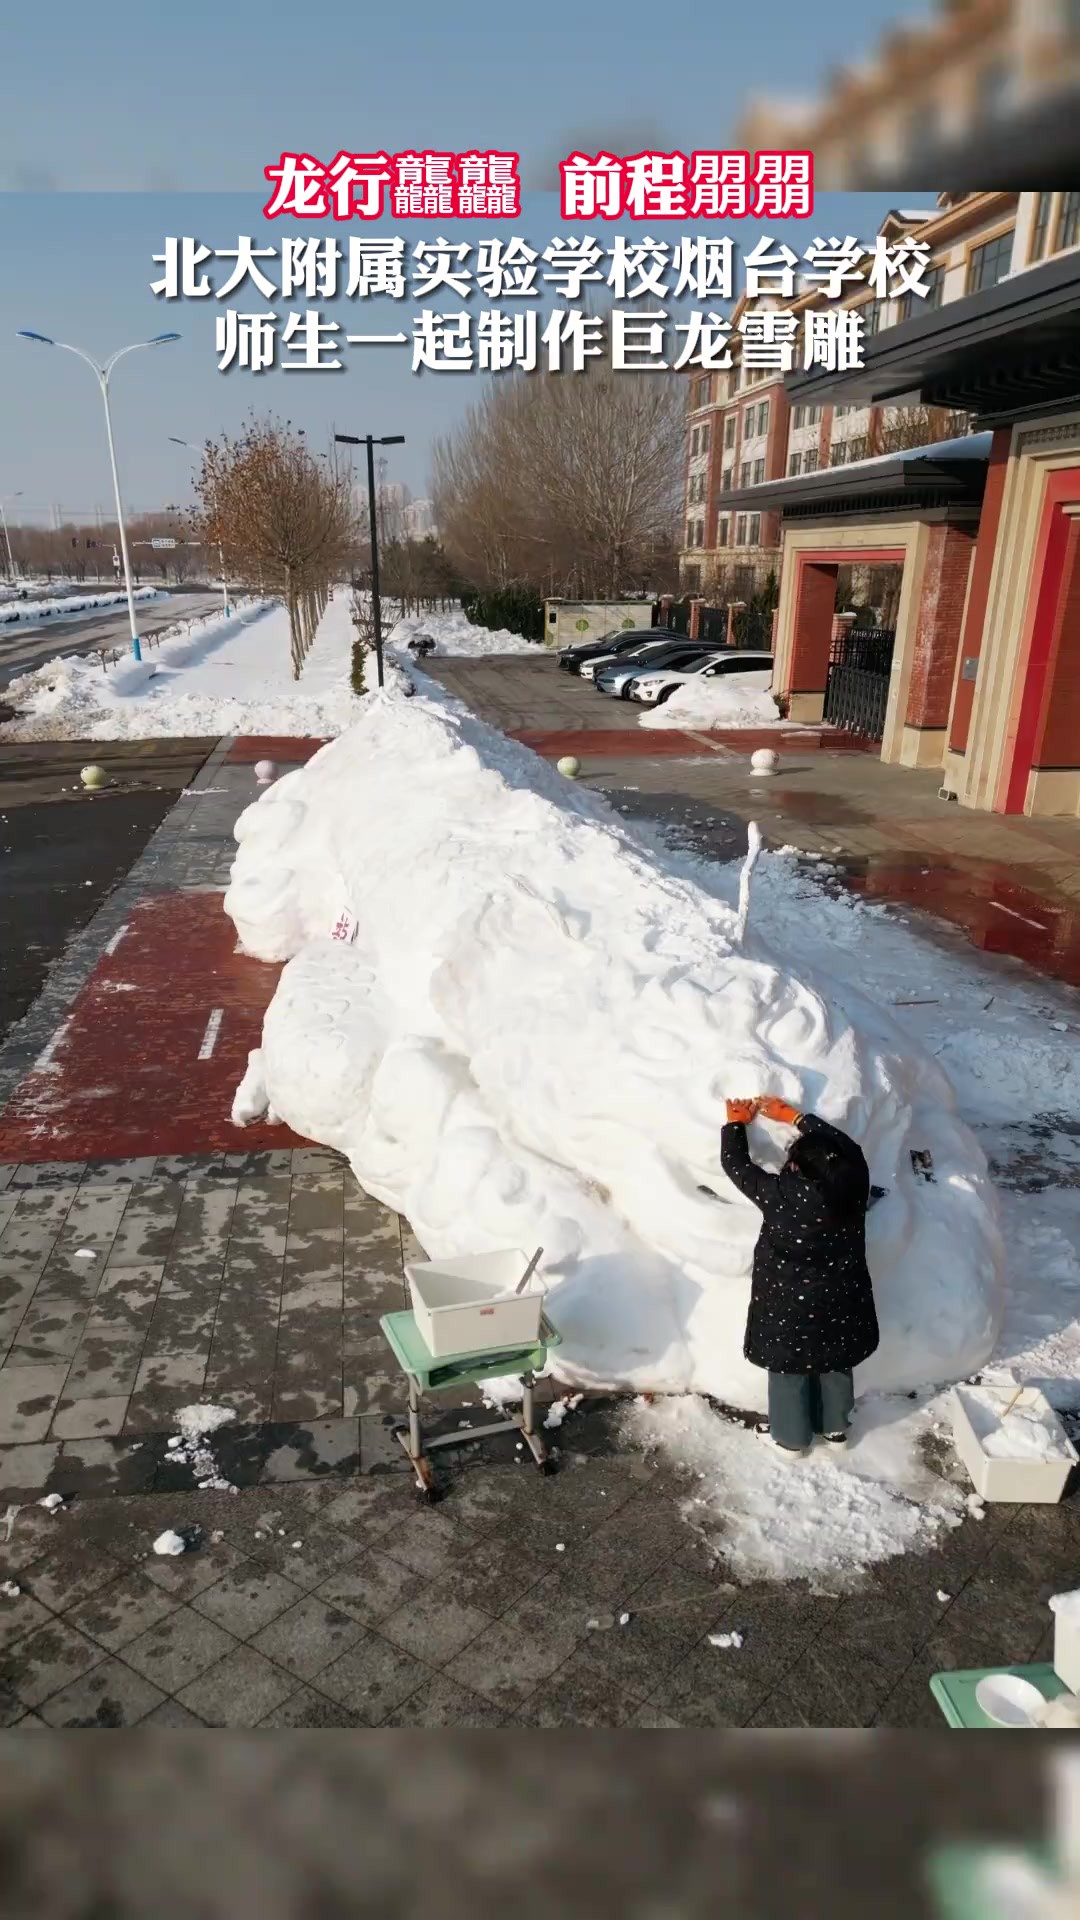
point(216, 676)
point(38, 613)
point(732, 700)
point(453, 632)
point(532, 1038)
point(824, 1518)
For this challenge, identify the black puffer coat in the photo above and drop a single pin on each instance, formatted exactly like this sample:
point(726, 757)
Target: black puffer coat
point(811, 1301)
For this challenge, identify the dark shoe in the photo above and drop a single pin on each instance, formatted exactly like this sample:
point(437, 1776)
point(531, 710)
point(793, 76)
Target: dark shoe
point(836, 1439)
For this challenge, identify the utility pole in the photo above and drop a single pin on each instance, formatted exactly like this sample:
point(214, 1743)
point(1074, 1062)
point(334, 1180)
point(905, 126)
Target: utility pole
point(371, 441)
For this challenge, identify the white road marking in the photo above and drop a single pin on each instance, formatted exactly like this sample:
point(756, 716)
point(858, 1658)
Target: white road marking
point(111, 945)
point(47, 1054)
point(1013, 915)
point(213, 1028)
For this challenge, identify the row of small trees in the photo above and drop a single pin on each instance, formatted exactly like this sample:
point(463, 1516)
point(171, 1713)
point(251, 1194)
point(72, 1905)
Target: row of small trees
point(565, 486)
point(285, 517)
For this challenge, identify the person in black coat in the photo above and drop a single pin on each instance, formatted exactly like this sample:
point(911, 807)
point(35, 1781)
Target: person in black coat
point(812, 1317)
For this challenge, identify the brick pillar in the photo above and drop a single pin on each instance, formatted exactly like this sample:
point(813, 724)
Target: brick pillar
point(812, 633)
point(694, 626)
point(938, 634)
point(971, 644)
point(842, 625)
point(733, 607)
point(667, 601)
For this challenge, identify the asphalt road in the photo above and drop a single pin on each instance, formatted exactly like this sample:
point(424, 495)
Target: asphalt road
point(62, 849)
point(24, 648)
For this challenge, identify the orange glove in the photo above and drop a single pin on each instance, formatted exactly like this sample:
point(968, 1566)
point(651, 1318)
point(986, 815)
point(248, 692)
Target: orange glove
point(775, 1109)
point(741, 1112)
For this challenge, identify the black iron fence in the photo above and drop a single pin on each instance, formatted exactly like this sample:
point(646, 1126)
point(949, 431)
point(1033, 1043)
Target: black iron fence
point(751, 625)
point(857, 689)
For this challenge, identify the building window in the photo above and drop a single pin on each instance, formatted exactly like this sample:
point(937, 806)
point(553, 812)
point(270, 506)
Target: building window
point(763, 416)
point(1068, 234)
point(694, 442)
point(871, 314)
point(754, 529)
point(723, 528)
point(1040, 226)
point(740, 530)
point(744, 474)
point(702, 392)
point(730, 425)
point(705, 438)
point(748, 422)
point(813, 416)
point(857, 448)
point(838, 453)
point(726, 479)
point(692, 577)
point(798, 416)
point(689, 533)
point(810, 460)
point(990, 263)
point(794, 465)
point(909, 303)
point(759, 473)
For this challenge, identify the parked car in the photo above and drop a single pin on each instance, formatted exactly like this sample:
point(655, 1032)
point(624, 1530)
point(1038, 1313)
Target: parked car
point(641, 649)
point(653, 685)
point(619, 640)
point(616, 677)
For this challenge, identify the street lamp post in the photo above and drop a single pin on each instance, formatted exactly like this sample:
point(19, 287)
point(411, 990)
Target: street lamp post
point(7, 536)
point(370, 441)
point(221, 548)
point(102, 375)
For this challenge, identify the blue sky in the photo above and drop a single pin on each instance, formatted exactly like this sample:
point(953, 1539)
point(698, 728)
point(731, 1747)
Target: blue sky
point(127, 95)
point(80, 267)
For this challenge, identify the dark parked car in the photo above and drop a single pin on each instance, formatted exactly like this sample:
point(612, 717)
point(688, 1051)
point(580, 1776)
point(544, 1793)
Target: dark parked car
point(572, 659)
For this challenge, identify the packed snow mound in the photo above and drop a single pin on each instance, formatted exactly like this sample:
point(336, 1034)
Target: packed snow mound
point(454, 633)
point(211, 676)
point(734, 700)
point(530, 1037)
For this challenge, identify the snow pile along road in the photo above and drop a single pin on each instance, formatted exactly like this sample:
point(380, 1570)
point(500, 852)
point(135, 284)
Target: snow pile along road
point(531, 1038)
point(733, 700)
point(454, 633)
point(34, 613)
point(216, 676)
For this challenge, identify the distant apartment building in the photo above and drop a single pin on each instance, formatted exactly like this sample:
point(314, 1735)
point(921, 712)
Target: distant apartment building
point(742, 433)
point(983, 90)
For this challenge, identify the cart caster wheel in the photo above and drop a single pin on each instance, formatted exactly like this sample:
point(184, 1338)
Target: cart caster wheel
point(429, 1496)
point(547, 1468)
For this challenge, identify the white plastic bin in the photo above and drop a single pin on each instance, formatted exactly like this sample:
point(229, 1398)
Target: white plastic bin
point(469, 1305)
point(1014, 1448)
point(1066, 1611)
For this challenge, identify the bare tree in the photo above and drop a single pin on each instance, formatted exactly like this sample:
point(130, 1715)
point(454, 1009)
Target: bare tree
point(563, 484)
point(285, 515)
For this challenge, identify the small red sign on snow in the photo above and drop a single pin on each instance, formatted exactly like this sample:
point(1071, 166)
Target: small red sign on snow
point(344, 927)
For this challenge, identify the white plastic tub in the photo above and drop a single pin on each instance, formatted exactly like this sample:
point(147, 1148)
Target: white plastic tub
point(469, 1305)
point(1015, 1449)
point(1066, 1611)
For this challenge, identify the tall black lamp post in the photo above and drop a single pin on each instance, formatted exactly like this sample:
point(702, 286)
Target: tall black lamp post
point(371, 441)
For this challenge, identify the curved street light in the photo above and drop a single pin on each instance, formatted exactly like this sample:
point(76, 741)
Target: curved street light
point(102, 375)
point(4, 529)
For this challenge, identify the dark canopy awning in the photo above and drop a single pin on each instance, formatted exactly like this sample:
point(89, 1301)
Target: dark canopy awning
point(1011, 350)
point(951, 474)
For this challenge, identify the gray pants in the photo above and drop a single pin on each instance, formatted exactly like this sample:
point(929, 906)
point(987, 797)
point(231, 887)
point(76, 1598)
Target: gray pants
point(803, 1404)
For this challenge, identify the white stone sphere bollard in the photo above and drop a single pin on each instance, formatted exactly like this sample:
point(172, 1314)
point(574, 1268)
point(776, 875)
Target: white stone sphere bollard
point(94, 777)
point(264, 772)
point(764, 760)
point(569, 766)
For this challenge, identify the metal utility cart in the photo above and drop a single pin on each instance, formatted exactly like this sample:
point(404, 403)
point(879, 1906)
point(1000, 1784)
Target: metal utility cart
point(428, 1375)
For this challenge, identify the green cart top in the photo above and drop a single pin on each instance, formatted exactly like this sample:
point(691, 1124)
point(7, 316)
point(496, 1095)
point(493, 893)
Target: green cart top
point(462, 1369)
